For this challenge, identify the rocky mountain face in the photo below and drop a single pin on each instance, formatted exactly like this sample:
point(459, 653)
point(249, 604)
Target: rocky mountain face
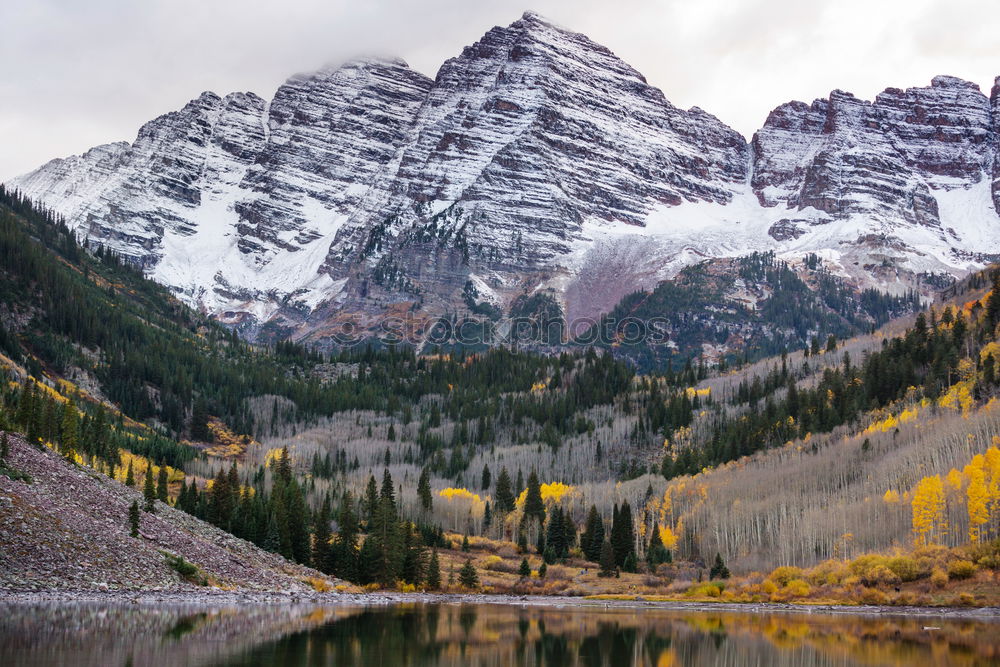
point(535, 163)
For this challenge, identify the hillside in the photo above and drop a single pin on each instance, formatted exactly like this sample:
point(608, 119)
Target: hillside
point(65, 527)
point(365, 463)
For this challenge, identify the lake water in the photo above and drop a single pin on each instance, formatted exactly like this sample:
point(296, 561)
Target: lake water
point(477, 634)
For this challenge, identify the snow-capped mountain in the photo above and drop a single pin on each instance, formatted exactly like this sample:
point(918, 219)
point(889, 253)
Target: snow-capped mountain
point(536, 161)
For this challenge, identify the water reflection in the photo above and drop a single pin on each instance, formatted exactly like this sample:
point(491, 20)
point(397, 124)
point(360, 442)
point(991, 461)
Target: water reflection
point(451, 634)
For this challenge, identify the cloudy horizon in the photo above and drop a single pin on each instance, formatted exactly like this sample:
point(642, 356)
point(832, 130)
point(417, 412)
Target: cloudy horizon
point(79, 75)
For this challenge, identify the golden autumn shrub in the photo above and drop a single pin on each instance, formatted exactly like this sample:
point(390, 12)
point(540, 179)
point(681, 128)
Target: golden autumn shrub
point(880, 576)
point(906, 568)
point(961, 569)
point(828, 573)
point(939, 578)
point(797, 588)
point(709, 590)
point(782, 575)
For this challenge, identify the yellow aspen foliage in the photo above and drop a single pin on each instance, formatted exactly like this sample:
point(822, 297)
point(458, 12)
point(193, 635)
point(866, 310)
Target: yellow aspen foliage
point(977, 502)
point(551, 492)
point(954, 479)
point(452, 493)
point(668, 536)
point(891, 496)
point(928, 508)
point(958, 397)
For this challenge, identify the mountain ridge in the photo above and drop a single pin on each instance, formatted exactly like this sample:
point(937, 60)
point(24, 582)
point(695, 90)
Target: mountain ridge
point(536, 162)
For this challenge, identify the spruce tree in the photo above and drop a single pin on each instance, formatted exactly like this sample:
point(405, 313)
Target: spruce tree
point(161, 485)
point(387, 492)
point(133, 518)
point(386, 544)
point(468, 576)
point(129, 475)
point(414, 556)
point(543, 569)
point(534, 506)
point(424, 491)
point(719, 569)
point(593, 535)
point(487, 478)
point(345, 552)
point(656, 553)
point(4, 448)
point(465, 544)
point(525, 569)
point(607, 560)
point(69, 436)
point(322, 549)
point(148, 490)
point(434, 572)
point(623, 534)
point(298, 523)
point(504, 494)
point(370, 503)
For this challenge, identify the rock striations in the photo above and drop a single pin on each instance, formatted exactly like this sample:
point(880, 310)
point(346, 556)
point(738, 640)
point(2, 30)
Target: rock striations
point(536, 161)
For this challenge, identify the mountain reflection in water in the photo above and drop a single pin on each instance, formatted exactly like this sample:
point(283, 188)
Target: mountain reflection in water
point(478, 634)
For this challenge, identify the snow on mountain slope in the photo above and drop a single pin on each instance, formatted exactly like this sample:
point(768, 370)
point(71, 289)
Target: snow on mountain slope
point(536, 160)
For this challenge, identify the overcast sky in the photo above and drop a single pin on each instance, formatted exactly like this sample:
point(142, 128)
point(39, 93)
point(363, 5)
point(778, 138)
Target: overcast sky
point(80, 73)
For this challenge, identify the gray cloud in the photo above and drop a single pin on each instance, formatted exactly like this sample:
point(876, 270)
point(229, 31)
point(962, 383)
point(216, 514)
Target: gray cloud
point(82, 73)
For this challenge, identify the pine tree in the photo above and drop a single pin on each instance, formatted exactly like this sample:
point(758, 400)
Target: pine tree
point(719, 569)
point(387, 491)
point(543, 569)
point(161, 485)
point(424, 491)
point(199, 422)
point(148, 490)
point(4, 448)
point(593, 535)
point(525, 569)
point(129, 475)
point(69, 432)
point(607, 560)
point(434, 572)
point(370, 503)
point(623, 534)
point(657, 552)
point(386, 544)
point(504, 494)
point(298, 523)
point(133, 518)
point(487, 478)
point(467, 576)
point(414, 555)
point(465, 544)
point(345, 548)
point(534, 506)
point(322, 549)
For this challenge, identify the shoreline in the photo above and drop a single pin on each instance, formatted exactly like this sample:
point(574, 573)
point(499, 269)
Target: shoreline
point(256, 598)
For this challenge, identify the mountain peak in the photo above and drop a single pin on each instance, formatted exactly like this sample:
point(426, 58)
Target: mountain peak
point(945, 81)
